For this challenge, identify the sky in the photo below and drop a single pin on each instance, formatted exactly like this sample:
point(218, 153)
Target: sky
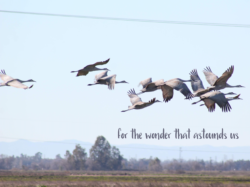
point(61, 106)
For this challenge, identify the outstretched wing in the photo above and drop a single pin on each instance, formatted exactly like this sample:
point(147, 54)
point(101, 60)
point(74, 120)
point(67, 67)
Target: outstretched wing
point(167, 92)
point(225, 76)
point(180, 86)
point(111, 82)
point(146, 104)
point(5, 77)
point(97, 63)
point(150, 102)
point(134, 97)
point(101, 75)
point(196, 82)
point(145, 82)
point(210, 76)
point(17, 84)
point(221, 100)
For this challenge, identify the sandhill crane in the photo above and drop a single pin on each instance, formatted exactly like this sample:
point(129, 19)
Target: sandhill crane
point(219, 98)
point(149, 86)
point(91, 67)
point(197, 85)
point(103, 79)
point(177, 84)
point(218, 83)
point(210, 104)
point(9, 81)
point(136, 101)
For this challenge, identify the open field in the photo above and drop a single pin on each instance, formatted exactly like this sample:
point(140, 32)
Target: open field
point(125, 178)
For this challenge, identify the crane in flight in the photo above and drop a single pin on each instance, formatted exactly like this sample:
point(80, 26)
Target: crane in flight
point(17, 83)
point(137, 103)
point(103, 79)
point(219, 98)
point(91, 67)
point(210, 104)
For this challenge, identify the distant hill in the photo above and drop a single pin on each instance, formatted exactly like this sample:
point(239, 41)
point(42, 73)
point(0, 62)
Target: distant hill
point(51, 149)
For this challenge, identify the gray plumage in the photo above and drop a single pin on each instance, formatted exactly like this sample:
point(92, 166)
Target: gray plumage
point(91, 67)
point(136, 101)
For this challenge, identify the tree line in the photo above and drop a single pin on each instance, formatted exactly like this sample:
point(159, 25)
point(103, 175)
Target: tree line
point(103, 156)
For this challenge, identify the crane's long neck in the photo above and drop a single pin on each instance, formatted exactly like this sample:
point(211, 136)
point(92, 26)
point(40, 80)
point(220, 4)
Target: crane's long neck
point(233, 98)
point(229, 86)
point(117, 82)
point(125, 110)
point(230, 98)
point(196, 102)
point(23, 81)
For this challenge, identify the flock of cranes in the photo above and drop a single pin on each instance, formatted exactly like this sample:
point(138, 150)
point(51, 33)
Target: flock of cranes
point(210, 96)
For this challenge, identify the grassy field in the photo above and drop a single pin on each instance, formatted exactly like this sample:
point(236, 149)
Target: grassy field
point(124, 178)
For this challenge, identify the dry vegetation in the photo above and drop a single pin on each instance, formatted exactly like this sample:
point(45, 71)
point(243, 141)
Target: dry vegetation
point(125, 178)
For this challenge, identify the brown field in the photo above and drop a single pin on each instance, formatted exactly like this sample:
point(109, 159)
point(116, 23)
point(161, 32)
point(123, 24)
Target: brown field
point(125, 178)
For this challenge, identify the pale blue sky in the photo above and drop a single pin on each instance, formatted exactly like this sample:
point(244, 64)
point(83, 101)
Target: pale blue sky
point(62, 106)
